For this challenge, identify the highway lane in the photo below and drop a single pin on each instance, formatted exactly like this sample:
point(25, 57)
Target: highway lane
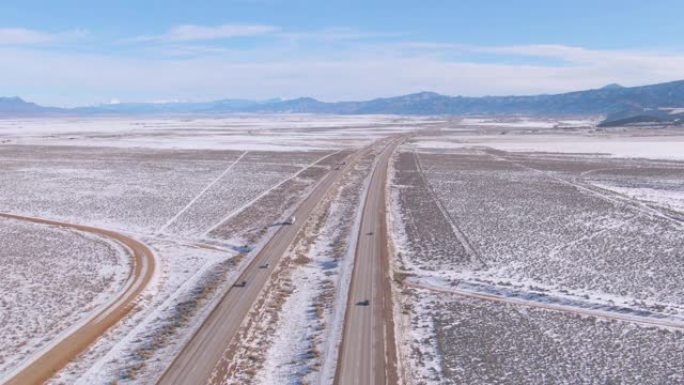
point(199, 361)
point(367, 353)
point(58, 354)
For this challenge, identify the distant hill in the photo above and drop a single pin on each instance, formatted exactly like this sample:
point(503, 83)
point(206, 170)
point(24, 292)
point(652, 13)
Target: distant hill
point(611, 100)
point(637, 116)
point(218, 106)
point(606, 100)
point(18, 107)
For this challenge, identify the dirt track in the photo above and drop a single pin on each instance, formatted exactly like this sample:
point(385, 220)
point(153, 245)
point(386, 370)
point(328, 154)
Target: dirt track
point(59, 353)
point(603, 314)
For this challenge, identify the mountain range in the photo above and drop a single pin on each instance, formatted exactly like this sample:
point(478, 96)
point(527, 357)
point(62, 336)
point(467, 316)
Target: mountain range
point(614, 101)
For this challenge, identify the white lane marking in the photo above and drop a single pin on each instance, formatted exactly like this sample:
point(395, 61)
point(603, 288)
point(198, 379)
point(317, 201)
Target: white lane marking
point(204, 190)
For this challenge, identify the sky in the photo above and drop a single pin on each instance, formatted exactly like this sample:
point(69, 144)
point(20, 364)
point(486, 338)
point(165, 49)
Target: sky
point(74, 52)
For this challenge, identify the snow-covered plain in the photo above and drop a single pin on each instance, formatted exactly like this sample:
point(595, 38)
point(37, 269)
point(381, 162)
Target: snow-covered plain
point(651, 147)
point(139, 348)
point(186, 187)
point(51, 278)
point(239, 133)
point(492, 343)
point(528, 225)
point(573, 136)
point(578, 213)
point(528, 122)
point(139, 190)
point(653, 185)
point(199, 190)
point(672, 198)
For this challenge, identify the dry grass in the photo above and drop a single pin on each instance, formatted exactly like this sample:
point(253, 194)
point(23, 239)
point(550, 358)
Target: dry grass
point(182, 314)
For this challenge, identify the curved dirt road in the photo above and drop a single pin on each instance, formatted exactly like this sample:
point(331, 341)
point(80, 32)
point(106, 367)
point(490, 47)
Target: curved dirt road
point(59, 353)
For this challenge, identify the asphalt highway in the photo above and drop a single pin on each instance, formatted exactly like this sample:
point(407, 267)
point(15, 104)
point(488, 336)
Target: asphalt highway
point(367, 354)
point(198, 362)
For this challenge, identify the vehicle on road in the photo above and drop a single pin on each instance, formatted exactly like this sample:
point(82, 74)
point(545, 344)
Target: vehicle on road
point(291, 220)
point(240, 284)
point(365, 302)
point(264, 266)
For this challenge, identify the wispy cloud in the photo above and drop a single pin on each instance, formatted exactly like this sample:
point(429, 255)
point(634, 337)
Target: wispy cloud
point(24, 36)
point(190, 33)
point(540, 50)
point(338, 34)
point(428, 45)
point(584, 56)
point(192, 62)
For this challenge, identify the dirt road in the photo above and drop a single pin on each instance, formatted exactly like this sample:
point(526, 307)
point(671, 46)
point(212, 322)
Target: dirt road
point(198, 362)
point(59, 353)
point(367, 354)
point(587, 312)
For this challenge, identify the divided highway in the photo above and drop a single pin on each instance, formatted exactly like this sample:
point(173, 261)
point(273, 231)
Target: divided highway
point(57, 355)
point(367, 354)
point(199, 361)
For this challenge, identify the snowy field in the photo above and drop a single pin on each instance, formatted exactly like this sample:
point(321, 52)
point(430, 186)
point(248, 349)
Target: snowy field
point(51, 278)
point(238, 133)
point(490, 343)
point(526, 214)
point(273, 206)
point(532, 209)
point(531, 226)
point(139, 348)
point(555, 136)
point(200, 192)
point(179, 192)
point(653, 148)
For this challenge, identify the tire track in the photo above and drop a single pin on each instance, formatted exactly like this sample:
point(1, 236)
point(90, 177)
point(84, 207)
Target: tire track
point(603, 314)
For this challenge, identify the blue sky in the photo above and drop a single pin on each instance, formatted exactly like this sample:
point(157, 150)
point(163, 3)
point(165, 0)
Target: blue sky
point(83, 52)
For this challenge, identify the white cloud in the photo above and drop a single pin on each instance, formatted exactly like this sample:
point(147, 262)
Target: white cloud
point(188, 33)
point(15, 36)
point(428, 45)
point(337, 34)
point(23, 36)
point(355, 72)
point(542, 50)
point(583, 56)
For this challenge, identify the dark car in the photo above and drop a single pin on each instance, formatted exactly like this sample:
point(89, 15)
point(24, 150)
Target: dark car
point(365, 302)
